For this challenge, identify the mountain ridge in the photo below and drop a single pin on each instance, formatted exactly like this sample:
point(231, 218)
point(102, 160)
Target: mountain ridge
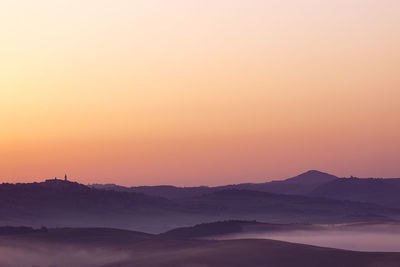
point(299, 185)
point(69, 204)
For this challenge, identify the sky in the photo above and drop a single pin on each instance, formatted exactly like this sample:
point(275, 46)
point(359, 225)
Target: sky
point(198, 92)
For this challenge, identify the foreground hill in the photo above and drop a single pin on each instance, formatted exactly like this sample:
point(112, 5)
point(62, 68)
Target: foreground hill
point(56, 203)
point(111, 247)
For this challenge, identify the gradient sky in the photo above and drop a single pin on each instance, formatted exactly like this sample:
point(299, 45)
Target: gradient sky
point(198, 92)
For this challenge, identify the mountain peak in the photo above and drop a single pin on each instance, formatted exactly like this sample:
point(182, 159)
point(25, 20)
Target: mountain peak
point(314, 172)
point(312, 177)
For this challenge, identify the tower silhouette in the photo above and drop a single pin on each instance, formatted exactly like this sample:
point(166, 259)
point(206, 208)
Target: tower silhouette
point(65, 178)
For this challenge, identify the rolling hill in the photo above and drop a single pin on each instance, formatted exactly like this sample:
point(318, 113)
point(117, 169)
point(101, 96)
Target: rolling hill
point(299, 185)
point(89, 247)
point(56, 203)
point(380, 191)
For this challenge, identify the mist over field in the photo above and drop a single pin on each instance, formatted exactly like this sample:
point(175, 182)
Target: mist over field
point(94, 247)
point(50, 255)
point(372, 238)
point(226, 226)
point(199, 133)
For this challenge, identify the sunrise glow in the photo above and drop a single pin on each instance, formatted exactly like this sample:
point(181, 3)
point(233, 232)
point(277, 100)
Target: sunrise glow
point(198, 92)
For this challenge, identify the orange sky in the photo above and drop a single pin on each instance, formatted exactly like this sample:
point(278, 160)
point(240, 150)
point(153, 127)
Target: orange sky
point(198, 92)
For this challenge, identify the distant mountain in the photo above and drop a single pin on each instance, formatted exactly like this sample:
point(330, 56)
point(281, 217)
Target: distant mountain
point(312, 183)
point(380, 191)
point(302, 184)
point(312, 177)
point(57, 203)
point(166, 191)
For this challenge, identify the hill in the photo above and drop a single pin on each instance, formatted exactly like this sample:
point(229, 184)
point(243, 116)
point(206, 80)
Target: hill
point(380, 191)
point(214, 229)
point(312, 183)
point(299, 185)
point(56, 203)
point(89, 247)
point(165, 191)
point(279, 208)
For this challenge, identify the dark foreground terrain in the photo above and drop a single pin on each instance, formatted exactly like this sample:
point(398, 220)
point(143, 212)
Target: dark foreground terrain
point(111, 247)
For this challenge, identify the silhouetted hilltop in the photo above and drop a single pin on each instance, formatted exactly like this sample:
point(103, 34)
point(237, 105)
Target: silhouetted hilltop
point(312, 177)
point(300, 185)
point(64, 203)
point(55, 192)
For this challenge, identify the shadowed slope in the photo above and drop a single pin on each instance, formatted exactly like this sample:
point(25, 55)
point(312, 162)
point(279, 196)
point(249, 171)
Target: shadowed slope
point(380, 191)
point(238, 204)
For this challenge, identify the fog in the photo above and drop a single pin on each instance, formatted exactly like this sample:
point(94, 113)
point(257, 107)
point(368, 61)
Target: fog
point(370, 239)
point(110, 248)
point(57, 256)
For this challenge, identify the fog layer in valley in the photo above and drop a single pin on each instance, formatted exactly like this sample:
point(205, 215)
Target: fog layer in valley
point(44, 255)
point(378, 238)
